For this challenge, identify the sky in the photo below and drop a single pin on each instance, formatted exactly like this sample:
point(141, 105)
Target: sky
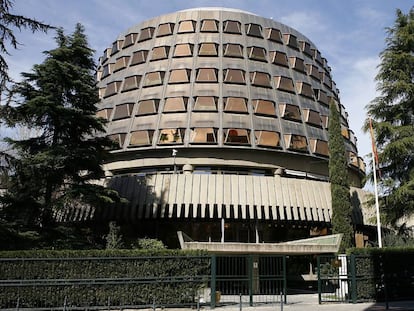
point(350, 35)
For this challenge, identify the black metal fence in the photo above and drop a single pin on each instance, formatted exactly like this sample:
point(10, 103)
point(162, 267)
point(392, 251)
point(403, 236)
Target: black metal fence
point(253, 279)
point(79, 283)
point(352, 278)
point(85, 283)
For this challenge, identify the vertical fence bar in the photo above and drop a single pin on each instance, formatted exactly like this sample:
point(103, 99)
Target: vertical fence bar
point(250, 271)
point(284, 277)
point(353, 279)
point(213, 281)
point(318, 260)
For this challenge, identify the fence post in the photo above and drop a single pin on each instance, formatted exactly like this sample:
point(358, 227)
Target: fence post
point(250, 271)
point(284, 278)
point(318, 261)
point(240, 300)
point(213, 281)
point(353, 279)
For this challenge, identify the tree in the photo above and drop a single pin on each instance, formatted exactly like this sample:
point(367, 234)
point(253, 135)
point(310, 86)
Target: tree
point(393, 118)
point(338, 176)
point(114, 237)
point(55, 169)
point(7, 22)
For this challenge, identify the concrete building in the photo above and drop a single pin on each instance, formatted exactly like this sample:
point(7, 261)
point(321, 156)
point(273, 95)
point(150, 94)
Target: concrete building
point(220, 117)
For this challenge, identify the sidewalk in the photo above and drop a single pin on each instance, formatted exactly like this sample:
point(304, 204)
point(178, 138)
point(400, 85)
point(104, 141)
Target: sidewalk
point(308, 302)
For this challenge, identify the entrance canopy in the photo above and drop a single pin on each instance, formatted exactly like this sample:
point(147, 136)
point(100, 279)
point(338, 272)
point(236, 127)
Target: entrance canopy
point(318, 245)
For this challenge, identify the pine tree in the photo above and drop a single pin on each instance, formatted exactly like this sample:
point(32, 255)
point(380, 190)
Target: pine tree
point(338, 176)
point(8, 21)
point(55, 169)
point(393, 118)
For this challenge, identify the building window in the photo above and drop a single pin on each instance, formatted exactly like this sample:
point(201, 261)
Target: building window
point(260, 79)
point(312, 117)
point(139, 57)
point(107, 70)
point(179, 76)
point(207, 49)
point(317, 56)
point(353, 159)
point(165, 29)
point(279, 58)
point(171, 136)
point(304, 89)
point(313, 71)
point(116, 46)
point(175, 104)
point(130, 40)
point(319, 147)
point(105, 55)
point(297, 64)
point(148, 106)
point(104, 113)
point(236, 136)
point(290, 112)
point(209, 25)
point(325, 121)
point(186, 26)
point(160, 52)
point(205, 103)
point(296, 142)
point(254, 30)
point(267, 139)
point(131, 83)
point(236, 76)
point(305, 48)
point(291, 40)
point(233, 50)
point(326, 79)
point(273, 34)
point(141, 138)
point(233, 27)
point(154, 78)
point(235, 104)
point(206, 75)
point(284, 84)
point(112, 88)
point(118, 139)
point(121, 63)
point(257, 53)
point(146, 34)
point(123, 111)
point(345, 131)
point(183, 50)
point(321, 96)
point(203, 135)
point(264, 107)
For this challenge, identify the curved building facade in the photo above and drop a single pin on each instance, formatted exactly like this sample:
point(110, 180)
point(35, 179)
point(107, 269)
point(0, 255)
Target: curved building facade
point(220, 116)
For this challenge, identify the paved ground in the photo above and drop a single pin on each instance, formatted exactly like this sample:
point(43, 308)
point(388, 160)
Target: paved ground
point(306, 303)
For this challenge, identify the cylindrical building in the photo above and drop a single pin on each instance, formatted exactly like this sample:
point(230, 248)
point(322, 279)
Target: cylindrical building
point(220, 118)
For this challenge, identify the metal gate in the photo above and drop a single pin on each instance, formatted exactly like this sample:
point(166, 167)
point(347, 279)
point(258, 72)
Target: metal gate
point(249, 279)
point(334, 279)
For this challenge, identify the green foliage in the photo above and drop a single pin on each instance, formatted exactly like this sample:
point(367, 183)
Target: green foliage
point(125, 277)
point(147, 243)
point(8, 21)
point(53, 171)
point(393, 118)
point(338, 176)
point(114, 237)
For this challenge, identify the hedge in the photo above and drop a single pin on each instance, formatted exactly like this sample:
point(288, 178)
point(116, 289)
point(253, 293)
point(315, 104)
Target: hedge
point(384, 274)
point(96, 277)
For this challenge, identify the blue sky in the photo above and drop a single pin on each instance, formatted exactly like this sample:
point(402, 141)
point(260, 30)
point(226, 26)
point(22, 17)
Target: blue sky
point(350, 35)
